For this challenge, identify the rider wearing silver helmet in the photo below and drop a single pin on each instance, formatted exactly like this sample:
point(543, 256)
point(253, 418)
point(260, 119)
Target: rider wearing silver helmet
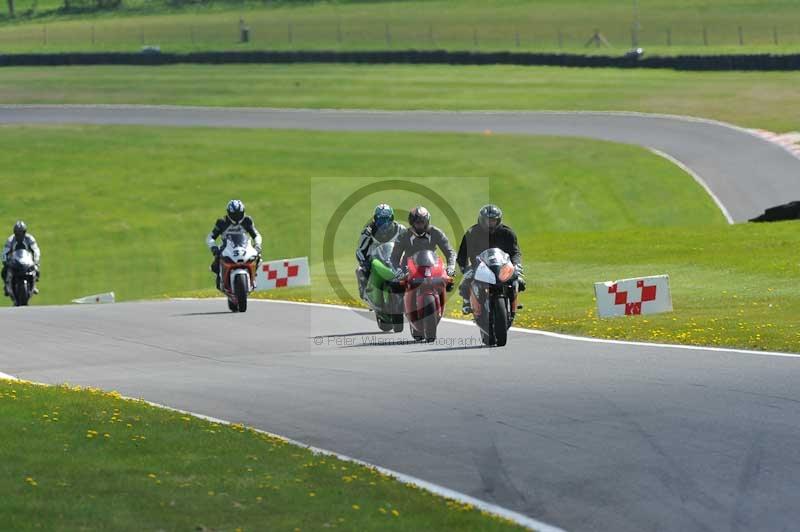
point(380, 230)
point(421, 235)
point(20, 239)
point(489, 232)
point(235, 222)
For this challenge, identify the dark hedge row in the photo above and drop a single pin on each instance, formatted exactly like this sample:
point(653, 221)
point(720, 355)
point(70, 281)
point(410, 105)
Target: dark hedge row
point(700, 62)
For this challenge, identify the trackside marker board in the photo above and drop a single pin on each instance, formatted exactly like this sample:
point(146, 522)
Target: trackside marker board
point(107, 297)
point(630, 297)
point(283, 273)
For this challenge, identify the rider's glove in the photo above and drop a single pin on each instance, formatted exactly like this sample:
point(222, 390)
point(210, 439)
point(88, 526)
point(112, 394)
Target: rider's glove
point(258, 250)
point(519, 269)
point(451, 271)
point(215, 251)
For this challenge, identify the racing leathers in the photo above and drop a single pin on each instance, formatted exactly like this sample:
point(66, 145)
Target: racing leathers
point(475, 241)
point(410, 243)
point(371, 237)
point(224, 227)
point(13, 244)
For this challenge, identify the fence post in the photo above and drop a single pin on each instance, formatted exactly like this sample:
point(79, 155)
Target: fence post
point(669, 36)
point(191, 34)
point(475, 37)
point(289, 32)
point(560, 39)
point(44, 34)
point(92, 34)
point(741, 37)
point(705, 36)
point(775, 35)
point(339, 32)
point(388, 34)
point(141, 34)
point(430, 33)
point(516, 38)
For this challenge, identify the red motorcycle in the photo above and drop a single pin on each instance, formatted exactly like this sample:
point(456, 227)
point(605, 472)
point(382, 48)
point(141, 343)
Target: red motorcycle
point(425, 285)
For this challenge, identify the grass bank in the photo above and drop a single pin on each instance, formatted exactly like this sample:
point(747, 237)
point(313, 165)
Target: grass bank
point(84, 459)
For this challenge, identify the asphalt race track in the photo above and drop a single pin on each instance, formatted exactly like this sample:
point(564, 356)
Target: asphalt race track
point(747, 174)
point(585, 436)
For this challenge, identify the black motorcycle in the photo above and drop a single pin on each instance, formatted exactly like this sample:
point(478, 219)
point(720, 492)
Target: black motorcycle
point(493, 295)
point(22, 273)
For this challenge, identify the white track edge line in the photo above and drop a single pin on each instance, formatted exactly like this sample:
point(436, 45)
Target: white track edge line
point(700, 181)
point(515, 517)
point(539, 332)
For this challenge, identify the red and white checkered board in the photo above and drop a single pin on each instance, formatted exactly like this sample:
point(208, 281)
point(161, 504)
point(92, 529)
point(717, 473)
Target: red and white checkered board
point(629, 297)
point(283, 273)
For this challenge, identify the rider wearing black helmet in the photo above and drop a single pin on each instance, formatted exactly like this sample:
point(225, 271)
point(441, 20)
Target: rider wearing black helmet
point(20, 239)
point(421, 235)
point(380, 230)
point(235, 221)
point(489, 232)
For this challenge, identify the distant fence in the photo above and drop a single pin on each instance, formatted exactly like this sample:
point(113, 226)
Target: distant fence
point(684, 62)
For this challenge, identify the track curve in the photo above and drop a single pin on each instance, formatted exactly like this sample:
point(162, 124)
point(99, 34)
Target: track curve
point(745, 172)
point(586, 436)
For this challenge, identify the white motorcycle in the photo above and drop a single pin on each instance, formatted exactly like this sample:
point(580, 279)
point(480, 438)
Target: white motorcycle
point(21, 280)
point(238, 261)
point(493, 295)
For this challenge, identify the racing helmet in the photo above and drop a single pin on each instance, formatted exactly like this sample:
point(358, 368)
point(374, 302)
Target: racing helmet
point(419, 220)
point(235, 211)
point(490, 217)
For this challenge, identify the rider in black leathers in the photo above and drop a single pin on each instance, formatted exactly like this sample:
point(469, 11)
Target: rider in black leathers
point(489, 232)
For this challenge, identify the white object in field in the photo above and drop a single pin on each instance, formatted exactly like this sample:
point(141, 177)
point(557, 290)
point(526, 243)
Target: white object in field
point(107, 297)
point(628, 297)
point(283, 273)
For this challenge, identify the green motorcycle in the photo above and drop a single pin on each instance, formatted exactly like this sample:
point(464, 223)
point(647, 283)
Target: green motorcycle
point(382, 294)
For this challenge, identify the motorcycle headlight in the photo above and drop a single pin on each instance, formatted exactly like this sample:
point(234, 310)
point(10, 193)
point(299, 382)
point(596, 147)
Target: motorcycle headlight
point(506, 271)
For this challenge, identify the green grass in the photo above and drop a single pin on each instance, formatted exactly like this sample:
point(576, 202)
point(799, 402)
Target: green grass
point(74, 459)
point(444, 24)
point(133, 219)
point(128, 208)
point(752, 99)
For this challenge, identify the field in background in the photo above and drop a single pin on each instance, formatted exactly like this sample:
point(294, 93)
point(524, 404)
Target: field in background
point(767, 100)
point(128, 208)
point(664, 26)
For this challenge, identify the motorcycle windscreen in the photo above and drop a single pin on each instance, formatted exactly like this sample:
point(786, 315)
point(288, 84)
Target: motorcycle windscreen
point(237, 240)
point(384, 252)
point(484, 274)
point(22, 259)
point(425, 258)
point(494, 257)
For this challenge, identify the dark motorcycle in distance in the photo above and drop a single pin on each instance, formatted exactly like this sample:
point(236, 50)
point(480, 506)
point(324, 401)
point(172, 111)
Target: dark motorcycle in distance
point(22, 272)
point(425, 285)
point(493, 295)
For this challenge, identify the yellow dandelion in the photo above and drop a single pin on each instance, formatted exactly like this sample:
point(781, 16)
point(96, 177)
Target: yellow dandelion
point(356, 507)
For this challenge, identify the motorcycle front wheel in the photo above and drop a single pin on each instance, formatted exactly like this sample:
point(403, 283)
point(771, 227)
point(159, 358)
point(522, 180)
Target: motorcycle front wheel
point(240, 289)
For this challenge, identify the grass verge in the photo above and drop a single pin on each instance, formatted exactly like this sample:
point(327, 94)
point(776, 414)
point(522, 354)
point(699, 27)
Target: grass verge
point(85, 459)
point(664, 27)
point(752, 99)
